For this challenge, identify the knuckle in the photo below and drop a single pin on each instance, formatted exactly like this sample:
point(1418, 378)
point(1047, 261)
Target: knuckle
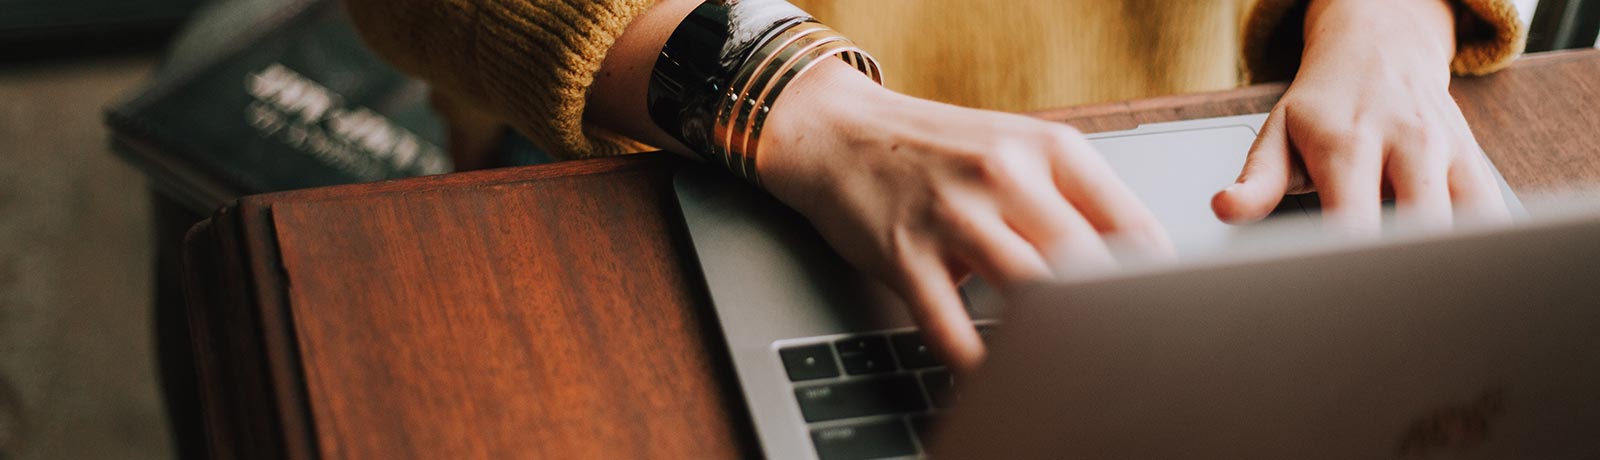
point(902, 246)
point(1465, 145)
point(1438, 147)
point(1063, 131)
point(1423, 179)
point(949, 218)
point(1142, 228)
point(1417, 122)
point(1144, 223)
point(1473, 167)
point(1319, 131)
point(901, 258)
point(1405, 123)
point(944, 211)
point(1422, 147)
point(1366, 132)
point(1002, 164)
point(1323, 139)
point(1061, 139)
point(1431, 152)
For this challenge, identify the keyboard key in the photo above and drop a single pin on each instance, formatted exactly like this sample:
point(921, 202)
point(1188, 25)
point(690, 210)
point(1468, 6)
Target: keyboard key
point(809, 362)
point(941, 387)
point(865, 355)
point(922, 425)
point(913, 353)
point(865, 441)
point(859, 398)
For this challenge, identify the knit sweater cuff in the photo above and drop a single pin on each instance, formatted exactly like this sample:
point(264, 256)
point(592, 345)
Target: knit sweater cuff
point(557, 47)
point(1488, 37)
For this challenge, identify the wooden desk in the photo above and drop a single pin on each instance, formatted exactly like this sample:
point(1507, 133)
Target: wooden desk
point(557, 312)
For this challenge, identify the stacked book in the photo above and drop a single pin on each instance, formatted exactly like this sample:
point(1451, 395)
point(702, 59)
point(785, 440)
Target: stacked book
point(263, 96)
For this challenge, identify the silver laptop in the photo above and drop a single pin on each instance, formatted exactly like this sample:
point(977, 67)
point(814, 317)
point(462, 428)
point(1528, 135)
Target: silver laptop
point(1482, 344)
point(829, 362)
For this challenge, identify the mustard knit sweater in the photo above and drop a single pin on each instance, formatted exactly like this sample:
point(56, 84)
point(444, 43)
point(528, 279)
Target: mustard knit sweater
point(530, 63)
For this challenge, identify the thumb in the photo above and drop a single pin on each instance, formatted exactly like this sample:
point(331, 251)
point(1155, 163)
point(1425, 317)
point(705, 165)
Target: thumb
point(1264, 180)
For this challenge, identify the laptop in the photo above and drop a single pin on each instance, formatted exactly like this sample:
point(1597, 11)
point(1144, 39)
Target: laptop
point(1482, 344)
point(828, 360)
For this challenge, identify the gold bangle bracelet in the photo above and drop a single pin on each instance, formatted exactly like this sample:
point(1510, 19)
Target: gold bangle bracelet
point(748, 100)
point(739, 86)
point(752, 141)
point(778, 51)
point(801, 52)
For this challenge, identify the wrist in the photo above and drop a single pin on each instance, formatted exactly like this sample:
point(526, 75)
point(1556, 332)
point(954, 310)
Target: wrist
point(1414, 32)
point(820, 116)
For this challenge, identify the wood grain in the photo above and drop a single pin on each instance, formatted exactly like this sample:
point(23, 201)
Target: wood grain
point(452, 325)
point(556, 311)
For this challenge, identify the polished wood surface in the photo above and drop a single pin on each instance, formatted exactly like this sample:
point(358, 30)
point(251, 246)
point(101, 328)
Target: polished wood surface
point(446, 332)
point(557, 311)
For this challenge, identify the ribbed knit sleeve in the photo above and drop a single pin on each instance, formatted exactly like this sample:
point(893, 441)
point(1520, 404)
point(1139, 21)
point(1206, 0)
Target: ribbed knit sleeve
point(1488, 37)
point(528, 62)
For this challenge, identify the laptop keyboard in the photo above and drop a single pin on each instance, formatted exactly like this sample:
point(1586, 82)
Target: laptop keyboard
point(869, 396)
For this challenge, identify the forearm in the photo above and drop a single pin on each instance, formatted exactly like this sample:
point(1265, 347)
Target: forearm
point(1481, 36)
point(1419, 33)
point(530, 63)
point(669, 78)
point(617, 101)
point(1401, 40)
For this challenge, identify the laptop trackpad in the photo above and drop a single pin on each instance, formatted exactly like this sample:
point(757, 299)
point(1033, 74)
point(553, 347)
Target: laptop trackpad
point(1175, 173)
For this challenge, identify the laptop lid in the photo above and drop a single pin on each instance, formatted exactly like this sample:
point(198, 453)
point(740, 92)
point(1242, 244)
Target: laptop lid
point(1480, 344)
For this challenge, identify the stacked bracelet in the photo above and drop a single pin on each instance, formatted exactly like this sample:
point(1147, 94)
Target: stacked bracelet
point(743, 113)
point(725, 66)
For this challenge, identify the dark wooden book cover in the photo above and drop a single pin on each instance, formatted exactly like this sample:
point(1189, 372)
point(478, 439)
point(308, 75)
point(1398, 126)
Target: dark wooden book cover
point(294, 101)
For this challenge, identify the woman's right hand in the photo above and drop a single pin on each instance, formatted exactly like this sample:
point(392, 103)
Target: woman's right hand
point(919, 194)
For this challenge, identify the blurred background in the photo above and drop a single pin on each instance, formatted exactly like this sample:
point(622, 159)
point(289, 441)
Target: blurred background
point(122, 122)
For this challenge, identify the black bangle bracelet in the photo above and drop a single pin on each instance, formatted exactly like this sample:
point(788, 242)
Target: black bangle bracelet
point(692, 74)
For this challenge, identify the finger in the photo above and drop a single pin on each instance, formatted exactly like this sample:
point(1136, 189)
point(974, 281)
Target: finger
point(938, 310)
point(1069, 244)
point(1421, 188)
point(998, 253)
point(1041, 214)
point(1473, 188)
point(1348, 177)
point(1265, 178)
point(1106, 204)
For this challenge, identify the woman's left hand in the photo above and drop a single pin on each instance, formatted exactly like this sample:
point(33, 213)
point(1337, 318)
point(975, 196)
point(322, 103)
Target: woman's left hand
point(1369, 114)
